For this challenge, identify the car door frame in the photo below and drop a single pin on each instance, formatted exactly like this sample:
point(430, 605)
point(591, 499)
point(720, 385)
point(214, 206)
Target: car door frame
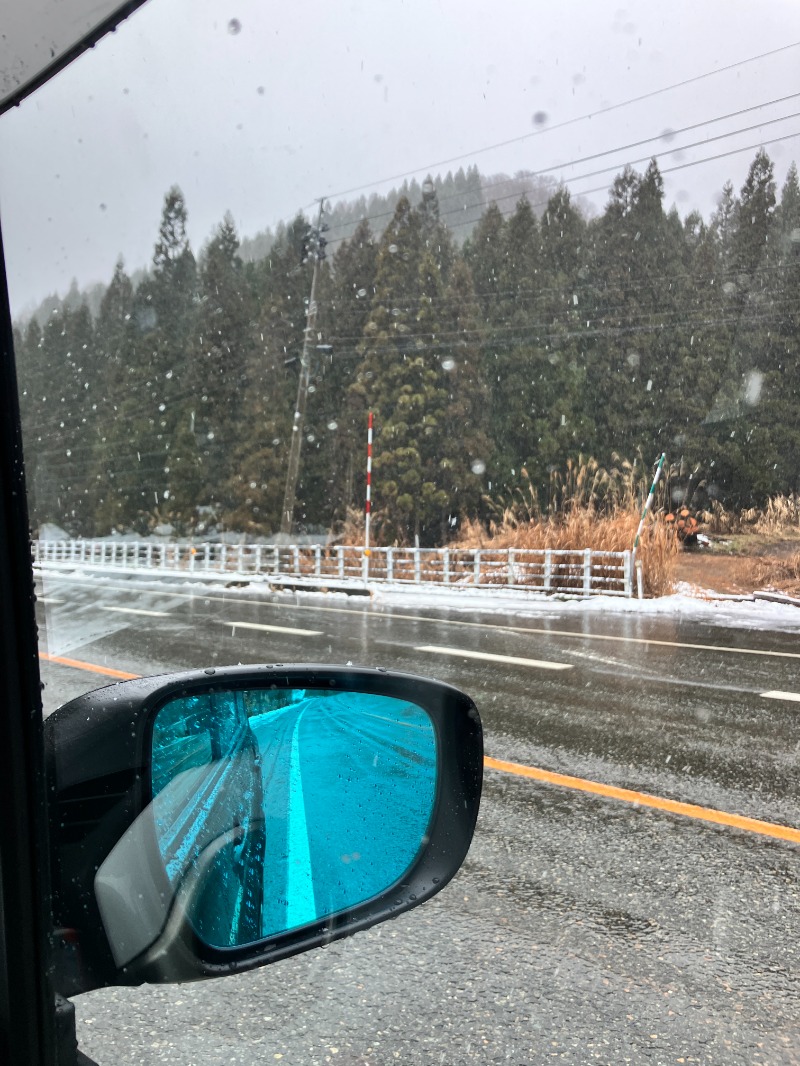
point(27, 1015)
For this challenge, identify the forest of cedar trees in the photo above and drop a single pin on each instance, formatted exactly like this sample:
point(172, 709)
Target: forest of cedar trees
point(492, 354)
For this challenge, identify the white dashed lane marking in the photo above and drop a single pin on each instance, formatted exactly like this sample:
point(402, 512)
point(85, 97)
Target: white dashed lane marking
point(515, 660)
point(135, 610)
point(272, 629)
point(792, 697)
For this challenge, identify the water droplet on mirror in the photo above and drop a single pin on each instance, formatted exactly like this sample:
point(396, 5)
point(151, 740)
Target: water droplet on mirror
point(539, 118)
point(361, 293)
point(234, 27)
point(393, 249)
point(478, 467)
point(448, 364)
point(332, 426)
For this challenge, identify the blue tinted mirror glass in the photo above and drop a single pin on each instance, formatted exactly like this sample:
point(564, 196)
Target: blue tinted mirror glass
point(285, 806)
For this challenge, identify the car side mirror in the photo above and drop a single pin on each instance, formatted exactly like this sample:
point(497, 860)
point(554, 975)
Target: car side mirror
point(205, 823)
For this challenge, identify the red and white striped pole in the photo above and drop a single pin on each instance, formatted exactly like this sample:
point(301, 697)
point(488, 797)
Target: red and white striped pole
point(368, 509)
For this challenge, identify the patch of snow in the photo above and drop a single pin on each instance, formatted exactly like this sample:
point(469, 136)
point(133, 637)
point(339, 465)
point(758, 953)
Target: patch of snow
point(50, 531)
point(688, 604)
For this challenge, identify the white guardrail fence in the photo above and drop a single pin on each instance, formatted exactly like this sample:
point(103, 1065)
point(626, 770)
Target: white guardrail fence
point(581, 573)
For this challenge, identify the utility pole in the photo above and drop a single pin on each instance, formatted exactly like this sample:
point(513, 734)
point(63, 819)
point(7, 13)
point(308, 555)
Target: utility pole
point(293, 468)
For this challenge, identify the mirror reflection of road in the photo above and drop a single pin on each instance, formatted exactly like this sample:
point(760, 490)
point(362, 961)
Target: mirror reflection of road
point(348, 786)
point(580, 927)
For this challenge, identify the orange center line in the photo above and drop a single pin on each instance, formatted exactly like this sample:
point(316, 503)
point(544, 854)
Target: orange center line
point(644, 799)
point(93, 668)
point(549, 777)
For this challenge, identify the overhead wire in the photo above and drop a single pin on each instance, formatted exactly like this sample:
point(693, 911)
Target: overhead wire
point(517, 195)
point(567, 122)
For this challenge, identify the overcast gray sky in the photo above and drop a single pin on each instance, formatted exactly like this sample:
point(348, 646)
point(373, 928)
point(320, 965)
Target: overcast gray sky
point(260, 108)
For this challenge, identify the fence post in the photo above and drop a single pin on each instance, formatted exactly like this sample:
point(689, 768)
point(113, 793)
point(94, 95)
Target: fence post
point(587, 571)
point(417, 575)
point(223, 557)
point(476, 567)
point(340, 560)
point(390, 564)
point(548, 569)
point(639, 579)
point(511, 573)
point(627, 577)
point(296, 559)
point(447, 566)
point(317, 560)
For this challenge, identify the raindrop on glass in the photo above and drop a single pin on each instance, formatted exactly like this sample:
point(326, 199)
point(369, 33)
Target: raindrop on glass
point(478, 467)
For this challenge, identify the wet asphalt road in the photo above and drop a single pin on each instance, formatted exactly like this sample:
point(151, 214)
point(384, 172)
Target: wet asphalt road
point(581, 929)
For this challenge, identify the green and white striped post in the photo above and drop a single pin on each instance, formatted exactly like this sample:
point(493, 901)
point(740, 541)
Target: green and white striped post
point(647, 505)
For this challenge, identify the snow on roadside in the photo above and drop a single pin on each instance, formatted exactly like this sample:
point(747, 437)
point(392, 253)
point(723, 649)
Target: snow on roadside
point(688, 604)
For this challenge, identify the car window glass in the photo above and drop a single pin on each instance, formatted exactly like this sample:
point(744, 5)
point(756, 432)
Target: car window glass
point(464, 343)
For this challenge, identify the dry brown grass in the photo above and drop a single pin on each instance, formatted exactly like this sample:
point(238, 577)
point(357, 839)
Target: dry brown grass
point(351, 530)
point(588, 506)
point(778, 573)
point(780, 516)
point(585, 527)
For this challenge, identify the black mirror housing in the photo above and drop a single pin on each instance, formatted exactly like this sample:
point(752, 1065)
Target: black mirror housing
point(126, 910)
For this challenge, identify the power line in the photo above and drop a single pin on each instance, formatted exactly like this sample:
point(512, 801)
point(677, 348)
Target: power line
point(600, 285)
point(567, 122)
point(616, 166)
point(647, 140)
point(486, 335)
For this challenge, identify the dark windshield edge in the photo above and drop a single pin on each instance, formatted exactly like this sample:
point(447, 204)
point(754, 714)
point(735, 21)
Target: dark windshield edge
point(24, 872)
point(64, 60)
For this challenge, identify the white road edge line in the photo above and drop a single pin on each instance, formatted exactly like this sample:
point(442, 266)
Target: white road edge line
point(134, 610)
point(792, 697)
point(271, 629)
point(379, 615)
point(490, 657)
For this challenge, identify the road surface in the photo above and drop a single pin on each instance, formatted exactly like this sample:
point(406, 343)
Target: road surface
point(632, 891)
